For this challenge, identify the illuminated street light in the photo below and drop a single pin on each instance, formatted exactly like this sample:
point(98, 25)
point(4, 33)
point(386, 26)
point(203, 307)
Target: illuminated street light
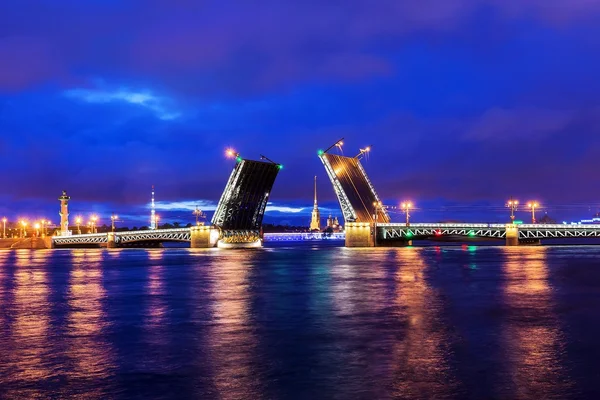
point(24, 225)
point(156, 218)
point(512, 204)
point(4, 228)
point(533, 205)
point(113, 218)
point(94, 219)
point(363, 152)
point(199, 214)
point(406, 206)
point(37, 229)
point(78, 223)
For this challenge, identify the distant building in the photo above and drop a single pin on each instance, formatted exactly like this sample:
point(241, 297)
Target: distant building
point(315, 221)
point(334, 224)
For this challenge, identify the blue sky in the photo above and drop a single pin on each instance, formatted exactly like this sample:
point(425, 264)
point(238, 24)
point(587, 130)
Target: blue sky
point(465, 103)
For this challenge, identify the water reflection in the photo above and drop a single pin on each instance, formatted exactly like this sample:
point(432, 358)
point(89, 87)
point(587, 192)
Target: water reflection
point(232, 340)
point(88, 347)
point(533, 339)
point(31, 323)
point(421, 356)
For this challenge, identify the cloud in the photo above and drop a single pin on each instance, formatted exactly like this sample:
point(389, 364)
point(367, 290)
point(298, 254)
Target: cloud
point(189, 205)
point(143, 99)
point(498, 124)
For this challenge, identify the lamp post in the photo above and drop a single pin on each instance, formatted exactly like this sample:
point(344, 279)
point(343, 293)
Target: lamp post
point(94, 219)
point(113, 218)
point(43, 227)
point(512, 204)
point(24, 225)
point(406, 206)
point(37, 229)
point(199, 214)
point(533, 205)
point(4, 228)
point(376, 205)
point(156, 218)
point(78, 223)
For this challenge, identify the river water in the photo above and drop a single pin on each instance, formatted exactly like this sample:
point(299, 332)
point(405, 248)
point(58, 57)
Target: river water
point(306, 322)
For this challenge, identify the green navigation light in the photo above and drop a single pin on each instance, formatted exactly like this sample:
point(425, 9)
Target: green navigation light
point(280, 166)
point(320, 152)
point(238, 159)
point(471, 233)
point(409, 234)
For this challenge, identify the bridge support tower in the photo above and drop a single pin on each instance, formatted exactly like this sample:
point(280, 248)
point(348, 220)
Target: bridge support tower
point(202, 237)
point(512, 235)
point(360, 234)
point(111, 242)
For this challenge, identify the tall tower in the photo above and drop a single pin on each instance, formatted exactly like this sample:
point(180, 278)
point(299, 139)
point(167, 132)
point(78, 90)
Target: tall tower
point(315, 222)
point(64, 214)
point(152, 212)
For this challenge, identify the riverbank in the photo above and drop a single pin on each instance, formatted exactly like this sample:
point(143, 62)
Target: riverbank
point(26, 243)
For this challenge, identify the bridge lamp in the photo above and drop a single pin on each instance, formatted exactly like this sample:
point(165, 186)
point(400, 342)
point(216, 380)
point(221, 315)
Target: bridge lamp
point(156, 219)
point(78, 223)
point(94, 218)
point(406, 206)
point(113, 218)
point(4, 228)
point(37, 228)
point(512, 204)
point(533, 205)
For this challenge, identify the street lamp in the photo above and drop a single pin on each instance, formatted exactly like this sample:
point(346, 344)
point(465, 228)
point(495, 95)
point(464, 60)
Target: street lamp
point(37, 229)
point(78, 223)
point(406, 206)
point(113, 218)
point(44, 227)
point(4, 228)
point(156, 218)
point(94, 218)
point(24, 224)
point(199, 214)
point(533, 205)
point(512, 204)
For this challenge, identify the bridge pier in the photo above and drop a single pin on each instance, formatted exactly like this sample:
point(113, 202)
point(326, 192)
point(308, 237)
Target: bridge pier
point(202, 237)
point(512, 235)
point(111, 242)
point(360, 234)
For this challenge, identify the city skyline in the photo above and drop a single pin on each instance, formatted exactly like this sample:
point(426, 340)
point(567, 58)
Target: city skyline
point(465, 104)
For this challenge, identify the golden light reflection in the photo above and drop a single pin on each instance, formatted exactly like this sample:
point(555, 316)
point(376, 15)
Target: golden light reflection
point(91, 354)
point(532, 337)
point(232, 342)
point(421, 355)
point(31, 324)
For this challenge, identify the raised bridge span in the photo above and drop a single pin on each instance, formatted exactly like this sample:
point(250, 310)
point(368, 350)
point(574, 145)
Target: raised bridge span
point(237, 221)
point(368, 224)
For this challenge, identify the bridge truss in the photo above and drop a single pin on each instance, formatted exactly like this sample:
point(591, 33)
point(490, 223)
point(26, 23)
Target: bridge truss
point(492, 231)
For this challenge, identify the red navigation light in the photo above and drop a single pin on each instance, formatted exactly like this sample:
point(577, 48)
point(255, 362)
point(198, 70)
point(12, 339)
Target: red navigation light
point(438, 233)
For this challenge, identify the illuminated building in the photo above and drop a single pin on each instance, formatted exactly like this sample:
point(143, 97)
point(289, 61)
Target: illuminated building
point(315, 222)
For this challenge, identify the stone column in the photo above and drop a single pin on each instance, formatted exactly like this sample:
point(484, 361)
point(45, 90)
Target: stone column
point(512, 235)
point(360, 234)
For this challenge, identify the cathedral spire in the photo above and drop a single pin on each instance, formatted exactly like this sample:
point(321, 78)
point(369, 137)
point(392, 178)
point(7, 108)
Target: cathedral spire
point(315, 221)
point(315, 191)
